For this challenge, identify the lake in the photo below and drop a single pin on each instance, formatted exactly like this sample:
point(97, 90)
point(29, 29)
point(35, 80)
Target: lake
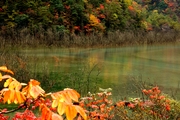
point(119, 68)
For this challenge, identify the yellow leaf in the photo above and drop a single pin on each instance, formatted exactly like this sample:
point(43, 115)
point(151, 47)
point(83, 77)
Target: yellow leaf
point(55, 103)
point(81, 111)
point(8, 81)
point(70, 112)
point(61, 108)
point(93, 20)
point(58, 95)
point(12, 85)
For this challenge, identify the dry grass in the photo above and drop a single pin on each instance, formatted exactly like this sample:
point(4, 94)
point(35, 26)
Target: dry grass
point(25, 37)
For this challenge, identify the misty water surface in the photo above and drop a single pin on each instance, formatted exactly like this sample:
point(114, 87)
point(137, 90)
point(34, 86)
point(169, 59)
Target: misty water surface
point(157, 64)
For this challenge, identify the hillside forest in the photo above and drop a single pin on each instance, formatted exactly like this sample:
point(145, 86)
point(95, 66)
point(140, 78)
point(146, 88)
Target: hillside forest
point(87, 16)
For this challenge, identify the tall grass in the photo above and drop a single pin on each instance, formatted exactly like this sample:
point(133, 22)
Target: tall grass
point(41, 37)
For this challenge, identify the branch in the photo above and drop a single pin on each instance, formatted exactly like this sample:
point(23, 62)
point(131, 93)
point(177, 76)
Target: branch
point(26, 105)
point(13, 110)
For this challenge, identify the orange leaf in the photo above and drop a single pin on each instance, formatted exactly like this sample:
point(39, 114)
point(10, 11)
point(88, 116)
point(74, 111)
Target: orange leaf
point(34, 82)
point(4, 69)
point(6, 95)
point(20, 97)
point(56, 117)
point(73, 95)
point(35, 91)
point(70, 112)
point(131, 8)
point(81, 111)
point(12, 96)
point(46, 113)
point(67, 99)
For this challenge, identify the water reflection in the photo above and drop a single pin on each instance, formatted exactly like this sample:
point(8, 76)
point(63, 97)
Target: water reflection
point(155, 64)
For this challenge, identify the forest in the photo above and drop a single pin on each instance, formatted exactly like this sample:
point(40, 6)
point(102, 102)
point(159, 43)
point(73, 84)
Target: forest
point(88, 16)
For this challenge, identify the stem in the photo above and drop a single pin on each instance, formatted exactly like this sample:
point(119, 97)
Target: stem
point(88, 77)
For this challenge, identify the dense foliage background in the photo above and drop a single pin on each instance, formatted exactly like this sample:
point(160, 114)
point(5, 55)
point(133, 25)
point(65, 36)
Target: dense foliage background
point(75, 16)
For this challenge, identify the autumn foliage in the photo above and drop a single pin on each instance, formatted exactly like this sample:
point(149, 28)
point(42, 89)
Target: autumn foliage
point(67, 104)
point(86, 16)
point(31, 95)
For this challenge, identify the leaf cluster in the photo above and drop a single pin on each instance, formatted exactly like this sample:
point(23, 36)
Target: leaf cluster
point(31, 96)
